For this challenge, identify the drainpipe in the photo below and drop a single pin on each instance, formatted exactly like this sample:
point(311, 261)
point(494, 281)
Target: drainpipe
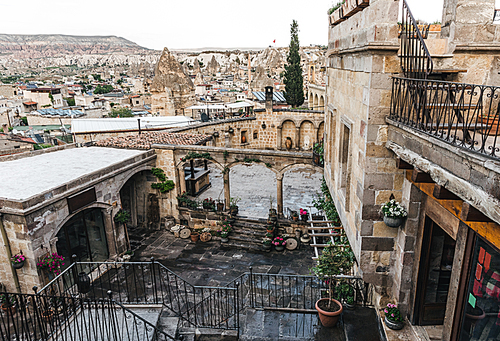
point(9, 254)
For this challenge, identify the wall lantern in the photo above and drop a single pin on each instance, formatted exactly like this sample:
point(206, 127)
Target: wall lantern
point(83, 283)
point(216, 134)
point(230, 130)
point(264, 125)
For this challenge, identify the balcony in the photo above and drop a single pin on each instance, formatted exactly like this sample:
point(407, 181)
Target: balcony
point(462, 115)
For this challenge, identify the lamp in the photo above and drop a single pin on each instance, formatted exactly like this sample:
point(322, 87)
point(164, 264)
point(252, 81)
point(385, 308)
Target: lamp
point(230, 130)
point(264, 125)
point(83, 283)
point(216, 134)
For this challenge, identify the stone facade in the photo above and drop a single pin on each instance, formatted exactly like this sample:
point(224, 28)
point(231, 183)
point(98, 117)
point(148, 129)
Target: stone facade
point(32, 225)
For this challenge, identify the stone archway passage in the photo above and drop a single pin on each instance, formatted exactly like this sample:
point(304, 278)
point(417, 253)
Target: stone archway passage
point(84, 235)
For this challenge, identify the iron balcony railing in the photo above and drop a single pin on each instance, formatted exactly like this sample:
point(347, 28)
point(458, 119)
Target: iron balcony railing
point(416, 61)
point(465, 115)
point(35, 317)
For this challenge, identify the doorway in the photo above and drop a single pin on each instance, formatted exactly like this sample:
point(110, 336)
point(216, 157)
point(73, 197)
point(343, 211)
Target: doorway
point(84, 236)
point(436, 262)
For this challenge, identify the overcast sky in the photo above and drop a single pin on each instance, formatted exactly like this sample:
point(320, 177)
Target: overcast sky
point(184, 23)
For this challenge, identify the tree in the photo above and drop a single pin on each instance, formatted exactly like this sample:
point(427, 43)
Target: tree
point(103, 89)
point(71, 101)
point(122, 112)
point(294, 83)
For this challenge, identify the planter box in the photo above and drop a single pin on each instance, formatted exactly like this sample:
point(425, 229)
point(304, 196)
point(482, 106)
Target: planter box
point(337, 16)
point(350, 8)
point(363, 3)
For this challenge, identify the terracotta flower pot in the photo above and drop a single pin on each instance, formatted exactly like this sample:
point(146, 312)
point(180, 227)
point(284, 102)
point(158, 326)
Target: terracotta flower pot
point(195, 236)
point(295, 218)
point(9, 309)
point(329, 319)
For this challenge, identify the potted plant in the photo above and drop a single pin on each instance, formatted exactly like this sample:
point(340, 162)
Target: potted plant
point(279, 243)
point(233, 205)
point(122, 216)
point(394, 213)
point(209, 204)
point(220, 205)
point(182, 199)
point(52, 263)
point(18, 261)
point(127, 255)
point(194, 236)
point(393, 319)
point(48, 315)
point(224, 236)
point(270, 227)
point(266, 243)
point(206, 234)
point(347, 295)
point(303, 214)
point(332, 262)
point(8, 303)
point(318, 151)
point(294, 215)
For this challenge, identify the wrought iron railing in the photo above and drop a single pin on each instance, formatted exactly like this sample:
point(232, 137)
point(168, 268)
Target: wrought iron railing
point(150, 283)
point(35, 317)
point(292, 292)
point(465, 115)
point(416, 61)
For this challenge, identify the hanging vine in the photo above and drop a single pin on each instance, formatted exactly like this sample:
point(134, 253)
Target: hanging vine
point(249, 160)
point(164, 185)
point(193, 155)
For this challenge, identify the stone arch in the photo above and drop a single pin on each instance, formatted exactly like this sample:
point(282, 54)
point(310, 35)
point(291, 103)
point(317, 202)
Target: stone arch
point(102, 205)
point(132, 173)
point(307, 134)
point(316, 100)
point(214, 161)
point(321, 130)
point(282, 171)
point(289, 129)
point(235, 163)
point(322, 101)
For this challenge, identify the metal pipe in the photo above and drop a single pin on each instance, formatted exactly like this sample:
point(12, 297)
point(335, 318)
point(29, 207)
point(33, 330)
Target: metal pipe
point(9, 253)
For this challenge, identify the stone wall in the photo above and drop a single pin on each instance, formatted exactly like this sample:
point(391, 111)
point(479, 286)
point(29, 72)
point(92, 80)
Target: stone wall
point(34, 120)
point(32, 226)
point(263, 131)
point(360, 172)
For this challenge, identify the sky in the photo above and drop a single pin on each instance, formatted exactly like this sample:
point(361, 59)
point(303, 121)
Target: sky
point(184, 23)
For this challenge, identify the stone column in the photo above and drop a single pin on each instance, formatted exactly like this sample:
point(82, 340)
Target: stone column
point(297, 138)
point(278, 137)
point(316, 137)
point(110, 231)
point(182, 178)
point(227, 192)
point(279, 182)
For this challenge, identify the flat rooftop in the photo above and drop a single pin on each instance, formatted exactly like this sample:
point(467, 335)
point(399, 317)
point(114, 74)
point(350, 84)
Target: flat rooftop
point(23, 178)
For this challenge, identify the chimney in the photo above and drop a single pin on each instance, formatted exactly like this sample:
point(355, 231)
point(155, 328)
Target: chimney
point(269, 98)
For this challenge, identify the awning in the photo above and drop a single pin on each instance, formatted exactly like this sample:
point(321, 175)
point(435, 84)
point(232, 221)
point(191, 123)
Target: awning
point(205, 107)
point(239, 105)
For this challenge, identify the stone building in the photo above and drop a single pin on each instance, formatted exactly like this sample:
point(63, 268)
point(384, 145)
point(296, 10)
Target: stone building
point(172, 90)
point(401, 123)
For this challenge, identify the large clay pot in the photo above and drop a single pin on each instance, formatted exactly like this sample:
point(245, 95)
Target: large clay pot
point(329, 319)
point(9, 309)
point(195, 236)
point(220, 206)
point(243, 139)
point(288, 143)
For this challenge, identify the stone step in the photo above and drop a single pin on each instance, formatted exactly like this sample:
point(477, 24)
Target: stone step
point(246, 231)
point(245, 238)
point(240, 245)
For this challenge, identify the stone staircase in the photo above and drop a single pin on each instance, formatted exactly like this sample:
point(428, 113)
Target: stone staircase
point(247, 234)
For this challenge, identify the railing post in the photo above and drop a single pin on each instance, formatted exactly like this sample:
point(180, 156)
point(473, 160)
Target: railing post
point(153, 277)
point(112, 314)
point(251, 288)
point(237, 310)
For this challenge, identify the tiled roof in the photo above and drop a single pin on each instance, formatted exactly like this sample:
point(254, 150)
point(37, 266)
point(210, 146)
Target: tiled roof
point(146, 139)
point(17, 138)
point(29, 103)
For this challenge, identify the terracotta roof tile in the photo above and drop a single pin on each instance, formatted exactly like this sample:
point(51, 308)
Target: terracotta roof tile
point(146, 139)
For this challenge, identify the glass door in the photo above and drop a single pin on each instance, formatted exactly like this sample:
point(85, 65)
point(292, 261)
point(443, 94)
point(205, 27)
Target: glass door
point(436, 262)
point(481, 315)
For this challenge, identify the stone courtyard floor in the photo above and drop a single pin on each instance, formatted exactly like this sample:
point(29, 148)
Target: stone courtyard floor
point(210, 264)
point(254, 184)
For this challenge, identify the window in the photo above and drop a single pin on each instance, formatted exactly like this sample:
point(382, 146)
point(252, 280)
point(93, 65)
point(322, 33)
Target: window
point(481, 317)
point(344, 163)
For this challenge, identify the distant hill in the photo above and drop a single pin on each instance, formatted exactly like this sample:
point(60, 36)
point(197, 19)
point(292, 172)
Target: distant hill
point(51, 45)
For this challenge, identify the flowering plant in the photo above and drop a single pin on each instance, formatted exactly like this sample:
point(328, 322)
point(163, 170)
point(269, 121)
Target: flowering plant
point(267, 241)
point(393, 209)
point(278, 241)
point(17, 259)
point(206, 229)
point(224, 234)
point(392, 313)
point(7, 300)
point(209, 204)
point(52, 262)
point(269, 235)
point(302, 212)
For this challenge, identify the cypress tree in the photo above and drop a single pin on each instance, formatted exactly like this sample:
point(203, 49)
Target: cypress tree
point(294, 83)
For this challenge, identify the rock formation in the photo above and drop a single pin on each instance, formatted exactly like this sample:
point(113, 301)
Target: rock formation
point(260, 80)
point(172, 90)
point(213, 66)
